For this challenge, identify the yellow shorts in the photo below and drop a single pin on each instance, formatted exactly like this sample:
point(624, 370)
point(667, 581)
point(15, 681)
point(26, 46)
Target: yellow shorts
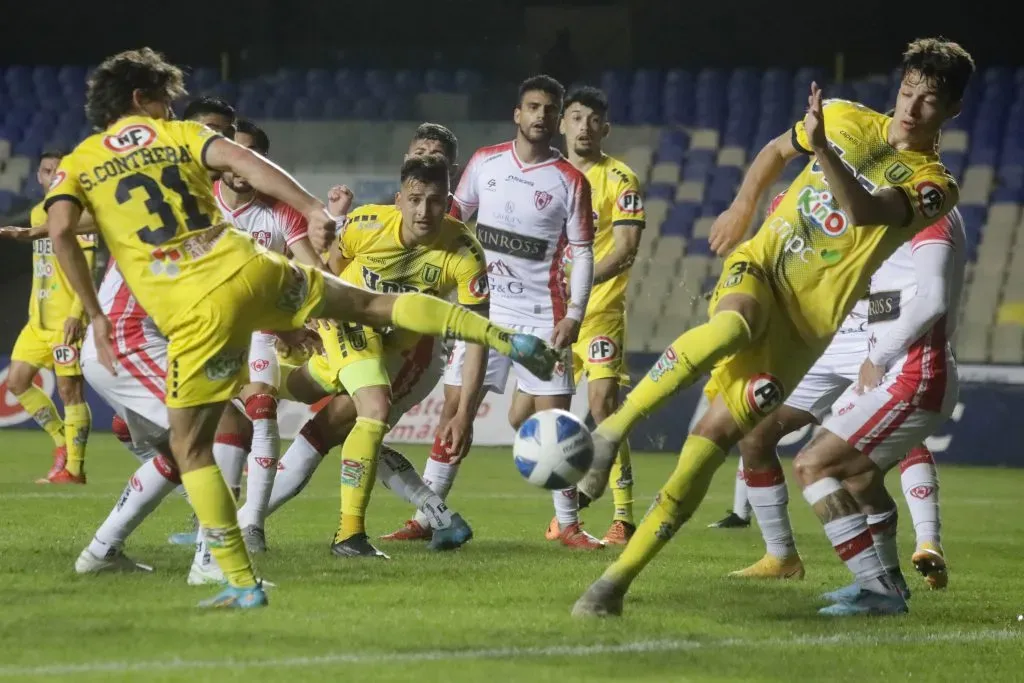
point(46, 349)
point(353, 359)
point(209, 343)
point(756, 381)
point(600, 352)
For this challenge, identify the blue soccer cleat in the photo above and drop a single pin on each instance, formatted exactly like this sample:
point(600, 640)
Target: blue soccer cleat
point(238, 598)
point(182, 538)
point(848, 593)
point(868, 603)
point(535, 354)
point(455, 536)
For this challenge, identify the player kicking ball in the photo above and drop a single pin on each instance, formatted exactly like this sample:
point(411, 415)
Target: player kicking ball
point(206, 286)
point(873, 183)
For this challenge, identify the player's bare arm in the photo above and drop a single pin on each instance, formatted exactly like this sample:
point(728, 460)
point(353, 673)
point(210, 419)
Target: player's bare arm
point(86, 226)
point(627, 241)
point(269, 178)
point(730, 227)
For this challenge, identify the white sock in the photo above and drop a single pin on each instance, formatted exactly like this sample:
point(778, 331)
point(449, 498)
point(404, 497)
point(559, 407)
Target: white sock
point(398, 475)
point(851, 539)
point(567, 506)
point(229, 453)
point(297, 466)
point(439, 475)
point(741, 503)
point(920, 480)
point(883, 534)
point(203, 558)
point(770, 502)
point(149, 485)
point(263, 457)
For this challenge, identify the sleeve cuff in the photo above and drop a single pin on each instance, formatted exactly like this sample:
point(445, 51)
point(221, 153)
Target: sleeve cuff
point(796, 142)
point(629, 223)
point(206, 146)
point(50, 201)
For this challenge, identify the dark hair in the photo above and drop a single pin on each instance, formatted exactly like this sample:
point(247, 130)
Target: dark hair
point(544, 83)
point(429, 170)
point(438, 133)
point(112, 85)
point(588, 96)
point(259, 137)
point(208, 105)
point(57, 154)
point(941, 61)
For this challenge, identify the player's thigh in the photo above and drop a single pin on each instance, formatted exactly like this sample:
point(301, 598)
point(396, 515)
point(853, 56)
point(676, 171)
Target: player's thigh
point(758, 446)
point(829, 455)
point(139, 385)
point(561, 382)
point(66, 357)
point(743, 287)
point(311, 382)
point(32, 351)
point(818, 390)
point(233, 421)
point(522, 407)
point(274, 293)
point(600, 352)
point(495, 376)
point(415, 374)
point(264, 367)
point(193, 430)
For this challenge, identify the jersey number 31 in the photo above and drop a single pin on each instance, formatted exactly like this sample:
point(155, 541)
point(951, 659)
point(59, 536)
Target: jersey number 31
point(170, 178)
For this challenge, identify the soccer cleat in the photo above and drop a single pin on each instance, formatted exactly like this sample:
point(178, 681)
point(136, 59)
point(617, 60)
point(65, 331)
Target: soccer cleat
point(60, 459)
point(595, 481)
point(115, 561)
point(931, 564)
point(206, 574)
point(186, 537)
point(535, 354)
point(255, 539)
point(410, 531)
point(848, 593)
point(357, 545)
point(65, 477)
point(868, 603)
point(771, 567)
point(619, 533)
point(602, 599)
point(573, 536)
point(730, 521)
point(454, 536)
point(553, 532)
point(238, 598)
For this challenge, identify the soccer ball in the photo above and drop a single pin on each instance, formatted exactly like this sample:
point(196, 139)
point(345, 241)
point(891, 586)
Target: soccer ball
point(553, 449)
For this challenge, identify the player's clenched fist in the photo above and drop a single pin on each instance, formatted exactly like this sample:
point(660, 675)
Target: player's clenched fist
point(814, 120)
point(339, 200)
point(322, 229)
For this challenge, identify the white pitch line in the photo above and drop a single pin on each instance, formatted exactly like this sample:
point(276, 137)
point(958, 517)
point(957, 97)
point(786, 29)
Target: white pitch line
point(399, 657)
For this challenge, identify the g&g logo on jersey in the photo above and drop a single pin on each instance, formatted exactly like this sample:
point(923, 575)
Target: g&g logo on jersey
point(602, 350)
point(64, 355)
point(225, 364)
point(630, 202)
point(930, 198)
point(129, 138)
point(764, 394)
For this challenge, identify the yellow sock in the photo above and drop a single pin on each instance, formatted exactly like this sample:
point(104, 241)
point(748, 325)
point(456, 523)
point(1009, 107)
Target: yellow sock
point(429, 315)
point(37, 404)
point(690, 356)
point(675, 502)
point(78, 422)
point(358, 473)
point(622, 484)
point(215, 507)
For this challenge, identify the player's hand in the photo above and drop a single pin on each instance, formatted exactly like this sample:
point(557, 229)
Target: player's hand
point(15, 233)
point(321, 230)
point(729, 229)
point(103, 336)
point(566, 332)
point(339, 200)
point(456, 435)
point(814, 120)
point(74, 330)
point(870, 376)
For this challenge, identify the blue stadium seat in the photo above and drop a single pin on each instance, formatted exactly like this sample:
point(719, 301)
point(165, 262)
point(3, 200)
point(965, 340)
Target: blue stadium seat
point(71, 74)
point(30, 147)
point(366, 109)
point(279, 108)
point(680, 219)
point(347, 80)
point(6, 201)
point(660, 191)
point(319, 77)
point(408, 81)
point(468, 80)
point(397, 108)
point(699, 246)
point(678, 97)
point(251, 107)
point(308, 109)
point(438, 80)
point(338, 108)
point(205, 76)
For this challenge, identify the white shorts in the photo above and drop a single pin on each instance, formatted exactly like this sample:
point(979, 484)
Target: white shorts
point(413, 379)
point(499, 366)
point(831, 374)
point(884, 426)
point(136, 392)
point(263, 364)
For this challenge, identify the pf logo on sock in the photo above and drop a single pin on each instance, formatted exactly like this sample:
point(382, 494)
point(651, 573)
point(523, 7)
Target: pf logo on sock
point(764, 393)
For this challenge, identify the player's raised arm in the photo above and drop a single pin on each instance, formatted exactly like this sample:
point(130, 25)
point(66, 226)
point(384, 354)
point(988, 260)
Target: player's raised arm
point(267, 177)
point(628, 221)
point(731, 225)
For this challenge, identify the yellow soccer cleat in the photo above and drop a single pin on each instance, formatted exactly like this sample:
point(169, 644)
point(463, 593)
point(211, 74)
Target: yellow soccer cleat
point(931, 564)
point(771, 567)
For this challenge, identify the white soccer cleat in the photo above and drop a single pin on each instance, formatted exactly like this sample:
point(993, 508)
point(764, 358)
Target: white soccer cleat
point(87, 563)
point(206, 574)
point(595, 481)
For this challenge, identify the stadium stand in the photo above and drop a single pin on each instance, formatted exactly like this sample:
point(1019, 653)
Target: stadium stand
point(687, 134)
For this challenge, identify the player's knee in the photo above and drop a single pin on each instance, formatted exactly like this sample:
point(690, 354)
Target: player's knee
point(861, 483)
point(254, 388)
point(748, 309)
point(70, 390)
point(261, 406)
point(717, 425)
point(756, 451)
point(120, 429)
point(373, 403)
point(19, 377)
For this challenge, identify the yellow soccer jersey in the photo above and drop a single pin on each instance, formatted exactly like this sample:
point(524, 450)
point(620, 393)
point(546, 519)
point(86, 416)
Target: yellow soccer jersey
point(52, 300)
point(146, 184)
point(616, 201)
point(378, 261)
point(817, 262)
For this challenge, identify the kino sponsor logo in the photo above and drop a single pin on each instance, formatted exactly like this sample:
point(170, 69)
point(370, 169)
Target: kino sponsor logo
point(816, 206)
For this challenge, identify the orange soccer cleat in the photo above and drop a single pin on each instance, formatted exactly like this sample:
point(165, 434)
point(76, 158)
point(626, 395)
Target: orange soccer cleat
point(410, 531)
point(553, 533)
point(60, 459)
point(573, 536)
point(619, 533)
point(65, 477)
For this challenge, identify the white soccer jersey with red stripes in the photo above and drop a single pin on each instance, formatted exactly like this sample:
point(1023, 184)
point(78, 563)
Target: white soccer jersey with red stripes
point(273, 224)
point(921, 372)
point(527, 215)
point(140, 347)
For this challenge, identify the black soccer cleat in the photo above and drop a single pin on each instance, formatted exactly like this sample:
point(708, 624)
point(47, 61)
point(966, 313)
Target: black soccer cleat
point(357, 545)
point(730, 521)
